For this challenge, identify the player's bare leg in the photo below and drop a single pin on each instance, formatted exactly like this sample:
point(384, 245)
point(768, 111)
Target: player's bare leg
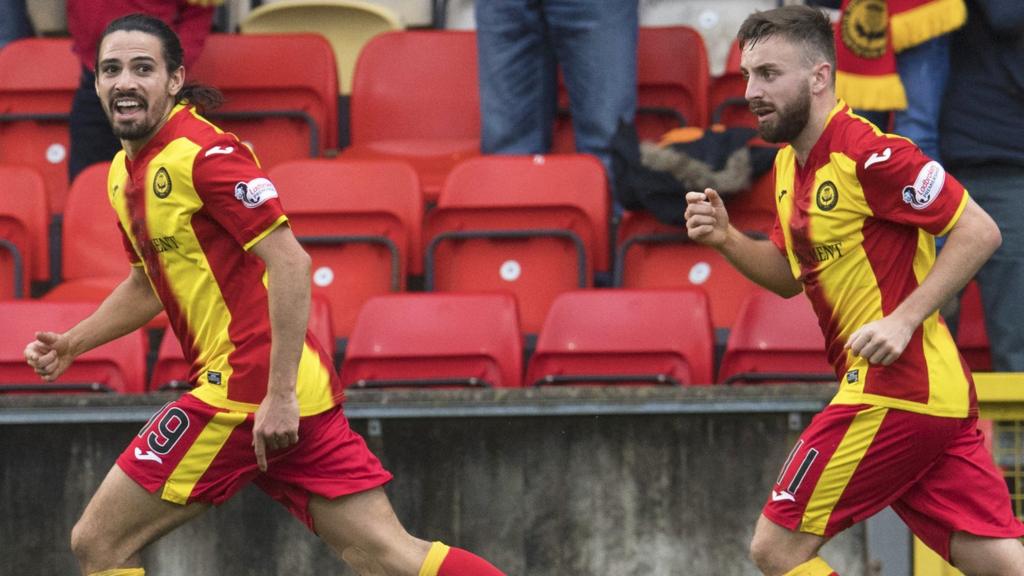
point(363, 529)
point(777, 551)
point(978, 556)
point(120, 520)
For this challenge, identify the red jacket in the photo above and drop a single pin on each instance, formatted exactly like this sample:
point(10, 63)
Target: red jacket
point(87, 19)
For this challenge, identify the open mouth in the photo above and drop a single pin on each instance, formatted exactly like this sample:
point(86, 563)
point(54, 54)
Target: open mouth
point(125, 107)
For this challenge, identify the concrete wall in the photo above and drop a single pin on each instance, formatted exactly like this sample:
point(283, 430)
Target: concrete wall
point(631, 495)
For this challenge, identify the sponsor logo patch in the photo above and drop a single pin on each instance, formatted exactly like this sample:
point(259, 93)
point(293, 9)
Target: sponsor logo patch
point(927, 187)
point(255, 192)
point(162, 183)
point(213, 377)
point(852, 376)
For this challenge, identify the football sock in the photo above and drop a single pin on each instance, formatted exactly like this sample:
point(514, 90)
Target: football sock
point(813, 567)
point(121, 572)
point(444, 560)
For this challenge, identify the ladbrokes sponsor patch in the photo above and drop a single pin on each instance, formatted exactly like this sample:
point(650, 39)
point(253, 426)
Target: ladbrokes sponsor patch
point(255, 192)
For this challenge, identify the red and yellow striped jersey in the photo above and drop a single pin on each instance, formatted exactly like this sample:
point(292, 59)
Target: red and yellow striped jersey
point(858, 223)
point(190, 206)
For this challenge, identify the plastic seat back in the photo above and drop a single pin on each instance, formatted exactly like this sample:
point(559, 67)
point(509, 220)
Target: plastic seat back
point(775, 339)
point(38, 79)
point(672, 78)
point(654, 255)
point(534, 226)
point(24, 241)
point(360, 221)
point(91, 244)
point(435, 340)
point(347, 24)
point(652, 337)
point(971, 334)
point(281, 92)
point(118, 366)
point(727, 104)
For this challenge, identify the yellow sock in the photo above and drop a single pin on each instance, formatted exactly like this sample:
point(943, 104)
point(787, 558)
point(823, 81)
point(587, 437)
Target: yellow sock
point(432, 563)
point(121, 572)
point(813, 567)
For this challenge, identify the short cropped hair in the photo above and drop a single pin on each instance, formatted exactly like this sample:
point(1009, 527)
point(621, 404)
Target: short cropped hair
point(799, 24)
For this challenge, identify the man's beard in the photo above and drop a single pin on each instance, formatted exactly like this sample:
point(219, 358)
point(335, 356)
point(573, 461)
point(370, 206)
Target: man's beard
point(134, 131)
point(789, 121)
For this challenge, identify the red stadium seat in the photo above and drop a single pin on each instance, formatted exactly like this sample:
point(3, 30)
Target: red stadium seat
point(655, 255)
point(435, 340)
point(625, 337)
point(281, 92)
point(24, 241)
point(171, 370)
point(415, 97)
point(971, 334)
point(118, 366)
point(534, 226)
point(93, 259)
point(775, 339)
point(360, 221)
point(672, 85)
point(727, 104)
point(38, 79)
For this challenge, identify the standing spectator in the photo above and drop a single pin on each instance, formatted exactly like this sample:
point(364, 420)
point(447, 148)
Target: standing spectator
point(857, 212)
point(14, 21)
point(893, 56)
point(209, 243)
point(92, 140)
point(522, 43)
point(982, 128)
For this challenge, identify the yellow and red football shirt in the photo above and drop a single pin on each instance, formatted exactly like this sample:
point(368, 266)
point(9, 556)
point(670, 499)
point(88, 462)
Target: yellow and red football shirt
point(190, 206)
point(858, 223)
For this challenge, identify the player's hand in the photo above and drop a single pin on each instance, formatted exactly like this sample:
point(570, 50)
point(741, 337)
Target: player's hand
point(707, 221)
point(49, 355)
point(276, 425)
point(881, 341)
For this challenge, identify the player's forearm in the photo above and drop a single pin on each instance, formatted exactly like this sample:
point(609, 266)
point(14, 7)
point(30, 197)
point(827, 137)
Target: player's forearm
point(288, 292)
point(128, 307)
point(760, 261)
point(970, 243)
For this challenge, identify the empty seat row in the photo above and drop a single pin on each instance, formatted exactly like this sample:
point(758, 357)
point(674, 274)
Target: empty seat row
point(414, 96)
point(589, 337)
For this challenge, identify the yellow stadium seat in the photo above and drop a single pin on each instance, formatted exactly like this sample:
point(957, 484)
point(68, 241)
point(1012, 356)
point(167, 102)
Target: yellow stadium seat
point(347, 25)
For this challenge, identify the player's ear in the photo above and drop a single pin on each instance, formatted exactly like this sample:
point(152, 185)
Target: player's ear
point(821, 77)
point(176, 81)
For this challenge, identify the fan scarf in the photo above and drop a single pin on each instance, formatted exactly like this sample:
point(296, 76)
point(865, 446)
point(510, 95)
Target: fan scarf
point(868, 36)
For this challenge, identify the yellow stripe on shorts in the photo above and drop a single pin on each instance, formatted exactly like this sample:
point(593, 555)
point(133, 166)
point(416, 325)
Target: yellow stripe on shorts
point(435, 557)
point(840, 469)
point(183, 480)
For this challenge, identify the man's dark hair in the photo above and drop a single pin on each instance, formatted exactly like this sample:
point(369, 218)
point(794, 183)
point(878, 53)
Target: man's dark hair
point(799, 24)
point(204, 98)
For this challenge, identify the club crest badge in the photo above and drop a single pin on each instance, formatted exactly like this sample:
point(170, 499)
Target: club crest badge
point(827, 196)
point(162, 183)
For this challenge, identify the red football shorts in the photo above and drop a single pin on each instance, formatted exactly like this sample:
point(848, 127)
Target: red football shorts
point(853, 461)
point(190, 451)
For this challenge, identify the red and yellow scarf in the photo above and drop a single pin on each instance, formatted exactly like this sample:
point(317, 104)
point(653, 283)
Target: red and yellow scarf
point(868, 36)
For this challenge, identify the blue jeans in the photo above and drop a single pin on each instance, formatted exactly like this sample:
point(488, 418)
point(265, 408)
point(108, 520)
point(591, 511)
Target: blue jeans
point(521, 43)
point(997, 189)
point(924, 71)
point(14, 22)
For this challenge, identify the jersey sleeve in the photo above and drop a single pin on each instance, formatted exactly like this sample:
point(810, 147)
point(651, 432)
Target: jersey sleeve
point(903, 185)
point(235, 191)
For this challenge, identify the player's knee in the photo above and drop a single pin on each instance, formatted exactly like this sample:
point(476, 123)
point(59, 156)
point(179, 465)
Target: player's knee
point(764, 554)
point(362, 562)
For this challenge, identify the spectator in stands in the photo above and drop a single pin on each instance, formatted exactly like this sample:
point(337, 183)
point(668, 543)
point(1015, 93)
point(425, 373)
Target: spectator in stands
point(857, 215)
point(92, 140)
point(982, 124)
point(14, 22)
point(894, 56)
point(522, 43)
point(210, 244)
